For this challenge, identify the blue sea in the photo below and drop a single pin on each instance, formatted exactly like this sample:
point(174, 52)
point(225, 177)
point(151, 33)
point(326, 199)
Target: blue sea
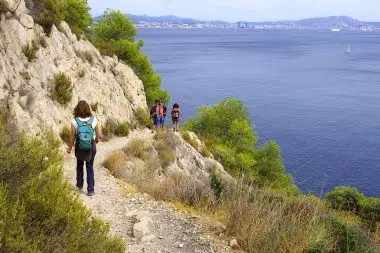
point(321, 106)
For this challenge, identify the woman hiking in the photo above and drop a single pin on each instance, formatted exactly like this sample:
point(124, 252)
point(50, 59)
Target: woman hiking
point(85, 133)
point(176, 113)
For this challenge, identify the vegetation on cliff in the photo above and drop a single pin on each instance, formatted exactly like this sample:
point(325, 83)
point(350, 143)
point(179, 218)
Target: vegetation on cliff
point(115, 34)
point(227, 130)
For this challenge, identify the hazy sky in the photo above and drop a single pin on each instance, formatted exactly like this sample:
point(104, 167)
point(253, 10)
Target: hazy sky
point(250, 10)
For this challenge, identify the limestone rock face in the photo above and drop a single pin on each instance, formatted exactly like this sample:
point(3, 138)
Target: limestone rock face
point(25, 85)
point(190, 162)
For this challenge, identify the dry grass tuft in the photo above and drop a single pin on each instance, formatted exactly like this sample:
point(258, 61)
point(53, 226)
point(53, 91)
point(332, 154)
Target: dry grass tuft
point(138, 148)
point(116, 164)
point(186, 136)
point(166, 143)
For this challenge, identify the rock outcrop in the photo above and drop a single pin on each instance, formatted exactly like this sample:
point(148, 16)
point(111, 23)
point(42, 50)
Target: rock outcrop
point(25, 84)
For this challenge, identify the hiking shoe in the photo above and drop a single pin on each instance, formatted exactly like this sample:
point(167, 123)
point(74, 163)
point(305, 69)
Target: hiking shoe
point(90, 194)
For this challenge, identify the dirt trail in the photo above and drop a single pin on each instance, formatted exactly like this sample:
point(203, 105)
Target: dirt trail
point(144, 224)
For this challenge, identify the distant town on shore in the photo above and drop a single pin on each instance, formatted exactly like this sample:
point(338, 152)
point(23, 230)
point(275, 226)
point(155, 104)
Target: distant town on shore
point(333, 23)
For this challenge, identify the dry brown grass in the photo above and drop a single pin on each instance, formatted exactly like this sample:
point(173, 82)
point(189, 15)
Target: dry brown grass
point(265, 224)
point(116, 163)
point(377, 235)
point(180, 187)
point(138, 148)
point(166, 143)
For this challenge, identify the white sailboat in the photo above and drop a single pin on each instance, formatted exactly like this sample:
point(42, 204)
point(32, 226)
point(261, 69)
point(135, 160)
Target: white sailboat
point(348, 51)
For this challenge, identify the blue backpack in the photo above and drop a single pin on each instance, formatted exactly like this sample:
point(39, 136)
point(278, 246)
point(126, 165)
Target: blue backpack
point(85, 134)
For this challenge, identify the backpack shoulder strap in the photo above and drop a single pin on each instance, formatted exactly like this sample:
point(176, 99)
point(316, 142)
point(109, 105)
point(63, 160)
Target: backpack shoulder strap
point(78, 121)
point(90, 120)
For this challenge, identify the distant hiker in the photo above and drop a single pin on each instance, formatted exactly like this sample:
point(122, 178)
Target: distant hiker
point(164, 112)
point(85, 133)
point(154, 114)
point(176, 113)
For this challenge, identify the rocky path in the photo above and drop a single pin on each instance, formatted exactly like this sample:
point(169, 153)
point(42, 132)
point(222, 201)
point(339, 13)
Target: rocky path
point(144, 224)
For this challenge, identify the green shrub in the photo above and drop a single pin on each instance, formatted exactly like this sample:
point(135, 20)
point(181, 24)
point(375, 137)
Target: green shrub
point(77, 15)
point(116, 34)
point(49, 13)
point(370, 211)
point(65, 134)
point(143, 117)
point(95, 106)
point(52, 12)
point(216, 185)
point(105, 48)
point(348, 238)
point(39, 212)
point(344, 198)
point(30, 50)
point(3, 6)
point(62, 91)
point(227, 130)
point(122, 129)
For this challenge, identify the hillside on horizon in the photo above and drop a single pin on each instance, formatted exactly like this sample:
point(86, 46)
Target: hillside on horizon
point(325, 22)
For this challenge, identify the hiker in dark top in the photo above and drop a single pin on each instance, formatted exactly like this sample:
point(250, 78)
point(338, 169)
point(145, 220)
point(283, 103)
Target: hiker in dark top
point(176, 113)
point(154, 114)
point(85, 133)
point(163, 115)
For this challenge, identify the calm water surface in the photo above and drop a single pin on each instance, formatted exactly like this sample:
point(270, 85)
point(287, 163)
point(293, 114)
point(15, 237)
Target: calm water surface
point(319, 104)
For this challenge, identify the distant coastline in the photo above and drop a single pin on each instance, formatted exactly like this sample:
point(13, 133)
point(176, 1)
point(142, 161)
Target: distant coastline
point(322, 23)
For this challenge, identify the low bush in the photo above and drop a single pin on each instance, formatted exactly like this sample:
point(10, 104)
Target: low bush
point(30, 50)
point(143, 117)
point(105, 48)
point(349, 238)
point(39, 212)
point(112, 127)
point(216, 185)
point(95, 106)
point(137, 148)
point(116, 163)
point(52, 12)
point(62, 91)
point(65, 134)
point(344, 198)
point(122, 129)
point(370, 211)
point(165, 143)
point(4, 8)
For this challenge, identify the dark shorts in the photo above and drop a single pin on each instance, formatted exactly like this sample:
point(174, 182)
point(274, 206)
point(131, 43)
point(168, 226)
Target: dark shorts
point(175, 119)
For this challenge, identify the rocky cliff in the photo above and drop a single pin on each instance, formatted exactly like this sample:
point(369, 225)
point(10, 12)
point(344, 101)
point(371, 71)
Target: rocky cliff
point(25, 83)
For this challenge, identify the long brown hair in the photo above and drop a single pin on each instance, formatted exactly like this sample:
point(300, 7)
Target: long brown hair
point(82, 110)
